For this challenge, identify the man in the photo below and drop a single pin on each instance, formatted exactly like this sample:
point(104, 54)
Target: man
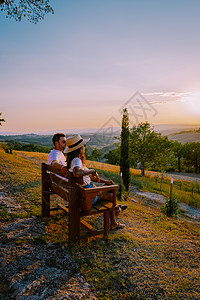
point(56, 158)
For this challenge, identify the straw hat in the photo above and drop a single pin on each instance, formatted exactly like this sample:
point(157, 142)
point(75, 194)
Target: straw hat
point(75, 142)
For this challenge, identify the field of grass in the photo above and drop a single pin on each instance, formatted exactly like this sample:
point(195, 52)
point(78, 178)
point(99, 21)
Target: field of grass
point(152, 258)
point(184, 191)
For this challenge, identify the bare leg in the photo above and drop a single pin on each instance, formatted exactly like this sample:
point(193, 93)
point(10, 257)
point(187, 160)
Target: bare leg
point(113, 222)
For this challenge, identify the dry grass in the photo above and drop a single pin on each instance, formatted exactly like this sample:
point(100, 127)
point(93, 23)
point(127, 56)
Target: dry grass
point(152, 258)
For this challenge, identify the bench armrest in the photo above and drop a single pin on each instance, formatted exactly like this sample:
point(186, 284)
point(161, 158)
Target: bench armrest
point(86, 196)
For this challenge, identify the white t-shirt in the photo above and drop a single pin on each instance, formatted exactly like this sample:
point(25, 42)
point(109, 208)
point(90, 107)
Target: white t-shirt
point(77, 162)
point(58, 156)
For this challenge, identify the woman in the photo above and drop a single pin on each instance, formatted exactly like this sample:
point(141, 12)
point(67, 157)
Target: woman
point(76, 163)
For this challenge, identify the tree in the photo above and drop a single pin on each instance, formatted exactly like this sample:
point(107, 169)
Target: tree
point(1, 120)
point(124, 153)
point(95, 155)
point(191, 154)
point(113, 156)
point(164, 156)
point(178, 153)
point(33, 10)
point(148, 147)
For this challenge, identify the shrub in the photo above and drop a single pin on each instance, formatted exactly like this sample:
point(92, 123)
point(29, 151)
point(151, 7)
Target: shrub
point(171, 208)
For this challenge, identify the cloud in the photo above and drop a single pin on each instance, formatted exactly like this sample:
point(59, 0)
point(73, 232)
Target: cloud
point(166, 97)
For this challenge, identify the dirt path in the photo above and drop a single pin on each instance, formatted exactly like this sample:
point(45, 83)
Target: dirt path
point(156, 200)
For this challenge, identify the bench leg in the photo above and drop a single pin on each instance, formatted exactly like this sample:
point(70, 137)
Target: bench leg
point(45, 193)
point(106, 222)
point(74, 219)
point(45, 204)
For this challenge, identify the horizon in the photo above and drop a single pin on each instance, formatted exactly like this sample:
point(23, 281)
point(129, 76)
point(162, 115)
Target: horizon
point(89, 131)
point(79, 67)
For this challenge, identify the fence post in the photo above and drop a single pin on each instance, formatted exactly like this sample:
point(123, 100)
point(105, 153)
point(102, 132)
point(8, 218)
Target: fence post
point(171, 188)
point(121, 183)
point(170, 199)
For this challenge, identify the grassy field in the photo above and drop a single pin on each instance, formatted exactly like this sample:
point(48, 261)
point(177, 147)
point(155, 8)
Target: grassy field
point(152, 258)
point(183, 190)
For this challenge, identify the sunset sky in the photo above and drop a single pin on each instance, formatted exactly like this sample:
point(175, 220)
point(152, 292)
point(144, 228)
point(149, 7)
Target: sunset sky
point(79, 67)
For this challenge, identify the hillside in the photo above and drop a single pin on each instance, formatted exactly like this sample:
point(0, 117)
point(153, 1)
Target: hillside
point(152, 258)
point(104, 139)
point(96, 140)
point(185, 136)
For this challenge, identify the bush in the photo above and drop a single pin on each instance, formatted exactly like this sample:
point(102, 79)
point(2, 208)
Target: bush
point(171, 208)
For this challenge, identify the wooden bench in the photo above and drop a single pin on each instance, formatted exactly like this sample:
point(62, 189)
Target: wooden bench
point(78, 201)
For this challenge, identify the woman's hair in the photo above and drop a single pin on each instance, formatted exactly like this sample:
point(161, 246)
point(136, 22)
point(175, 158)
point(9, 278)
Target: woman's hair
point(73, 154)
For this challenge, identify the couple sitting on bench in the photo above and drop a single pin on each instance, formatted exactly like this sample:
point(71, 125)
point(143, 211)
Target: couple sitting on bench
point(76, 163)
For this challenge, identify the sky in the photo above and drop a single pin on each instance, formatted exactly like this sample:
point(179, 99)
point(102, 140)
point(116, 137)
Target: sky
point(79, 67)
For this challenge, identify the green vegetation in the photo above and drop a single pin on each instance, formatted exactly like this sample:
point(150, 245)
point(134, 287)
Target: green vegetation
point(183, 191)
point(12, 145)
point(148, 148)
point(22, 178)
point(125, 151)
point(171, 208)
point(150, 151)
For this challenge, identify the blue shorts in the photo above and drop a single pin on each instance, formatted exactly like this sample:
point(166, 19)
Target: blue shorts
point(88, 186)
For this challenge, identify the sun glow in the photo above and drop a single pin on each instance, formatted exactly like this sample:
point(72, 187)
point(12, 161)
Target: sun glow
point(193, 103)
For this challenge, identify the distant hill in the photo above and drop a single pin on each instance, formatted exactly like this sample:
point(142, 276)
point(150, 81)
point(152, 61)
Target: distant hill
point(106, 137)
point(41, 140)
point(186, 136)
point(96, 140)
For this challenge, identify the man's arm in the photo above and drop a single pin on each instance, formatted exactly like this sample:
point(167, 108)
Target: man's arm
point(59, 166)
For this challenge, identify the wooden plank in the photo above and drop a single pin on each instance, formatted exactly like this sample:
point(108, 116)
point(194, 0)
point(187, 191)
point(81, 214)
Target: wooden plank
point(53, 170)
point(63, 193)
point(84, 192)
point(107, 206)
point(74, 218)
point(88, 226)
point(45, 192)
point(65, 208)
point(61, 181)
point(100, 207)
point(86, 196)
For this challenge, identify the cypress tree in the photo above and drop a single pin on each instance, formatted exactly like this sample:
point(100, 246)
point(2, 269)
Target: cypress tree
point(124, 158)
